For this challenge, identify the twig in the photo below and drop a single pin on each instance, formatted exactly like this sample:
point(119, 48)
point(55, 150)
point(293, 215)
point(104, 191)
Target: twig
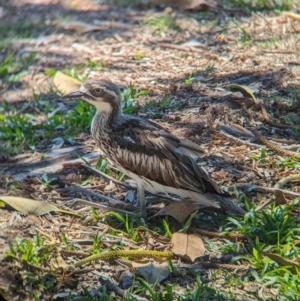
point(241, 128)
point(234, 130)
point(238, 141)
point(230, 267)
point(179, 47)
point(127, 186)
point(286, 141)
point(230, 236)
point(100, 173)
point(286, 180)
point(263, 189)
point(99, 206)
point(76, 189)
point(265, 204)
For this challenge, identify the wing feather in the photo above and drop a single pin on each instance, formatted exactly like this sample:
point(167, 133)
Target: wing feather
point(148, 150)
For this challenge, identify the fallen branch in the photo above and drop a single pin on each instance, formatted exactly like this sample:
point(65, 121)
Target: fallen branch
point(251, 187)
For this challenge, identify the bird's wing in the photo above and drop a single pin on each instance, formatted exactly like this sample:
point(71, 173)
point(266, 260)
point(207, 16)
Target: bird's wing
point(150, 151)
point(187, 147)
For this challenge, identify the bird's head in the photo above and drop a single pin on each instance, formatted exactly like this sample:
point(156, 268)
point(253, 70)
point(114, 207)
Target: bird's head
point(103, 94)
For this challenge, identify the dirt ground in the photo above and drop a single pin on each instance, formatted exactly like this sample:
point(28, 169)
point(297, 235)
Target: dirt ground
point(195, 62)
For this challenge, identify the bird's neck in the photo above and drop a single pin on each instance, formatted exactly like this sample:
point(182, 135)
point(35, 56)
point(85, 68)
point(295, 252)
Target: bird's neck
point(104, 118)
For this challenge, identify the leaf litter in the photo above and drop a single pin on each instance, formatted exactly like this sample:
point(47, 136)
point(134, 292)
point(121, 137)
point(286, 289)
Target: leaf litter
point(195, 66)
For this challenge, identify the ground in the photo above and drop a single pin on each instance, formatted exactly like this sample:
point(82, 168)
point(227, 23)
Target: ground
point(222, 74)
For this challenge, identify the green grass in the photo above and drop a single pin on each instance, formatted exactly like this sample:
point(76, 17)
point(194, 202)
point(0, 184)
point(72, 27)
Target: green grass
point(164, 22)
point(257, 5)
point(13, 67)
point(23, 131)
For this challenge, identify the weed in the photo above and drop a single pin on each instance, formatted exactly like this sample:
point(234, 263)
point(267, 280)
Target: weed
point(96, 244)
point(12, 68)
point(140, 55)
point(295, 95)
point(102, 166)
point(262, 155)
point(128, 223)
point(80, 118)
point(245, 36)
point(189, 79)
point(157, 107)
point(164, 22)
point(167, 229)
point(48, 182)
point(188, 222)
point(33, 251)
point(129, 96)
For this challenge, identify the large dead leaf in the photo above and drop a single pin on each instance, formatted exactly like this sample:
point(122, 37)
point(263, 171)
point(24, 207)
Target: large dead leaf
point(294, 266)
point(280, 198)
point(151, 271)
point(188, 246)
point(29, 206)
point(64, 83)
point(180, 210)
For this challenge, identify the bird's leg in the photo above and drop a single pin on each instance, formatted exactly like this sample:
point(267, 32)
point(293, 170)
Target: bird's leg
point(141, 200)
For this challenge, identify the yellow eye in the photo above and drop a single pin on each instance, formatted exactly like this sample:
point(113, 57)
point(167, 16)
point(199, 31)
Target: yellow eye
point(97, 91)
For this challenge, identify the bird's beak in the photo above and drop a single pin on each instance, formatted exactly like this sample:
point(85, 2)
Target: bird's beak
point(75, 94)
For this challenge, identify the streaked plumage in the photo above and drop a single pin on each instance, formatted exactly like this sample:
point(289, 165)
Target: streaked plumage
point(156, 159)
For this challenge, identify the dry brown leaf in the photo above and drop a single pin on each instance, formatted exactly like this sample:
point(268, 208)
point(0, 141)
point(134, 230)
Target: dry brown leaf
point(284, 262)
point(180, 210)
point(78, 26)
point(28, 206)
point(185, 4)
point(64, 83)
point(280, 198)
point(151, 271)
point(188, 246)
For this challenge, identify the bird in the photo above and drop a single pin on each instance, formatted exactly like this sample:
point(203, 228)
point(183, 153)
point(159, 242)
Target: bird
point(157, 160)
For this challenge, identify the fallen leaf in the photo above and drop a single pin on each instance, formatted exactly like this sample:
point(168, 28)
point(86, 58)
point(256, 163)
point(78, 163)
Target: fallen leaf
point(188, 246)
point(245, 90)
point(29, 206)
point(64, 83)
point(151, 271)
point(294, 266)
point(78, 26)
point(280, 198)
point(180, 210)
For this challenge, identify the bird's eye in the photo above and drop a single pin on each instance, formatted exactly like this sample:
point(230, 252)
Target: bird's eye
point(97, 91)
